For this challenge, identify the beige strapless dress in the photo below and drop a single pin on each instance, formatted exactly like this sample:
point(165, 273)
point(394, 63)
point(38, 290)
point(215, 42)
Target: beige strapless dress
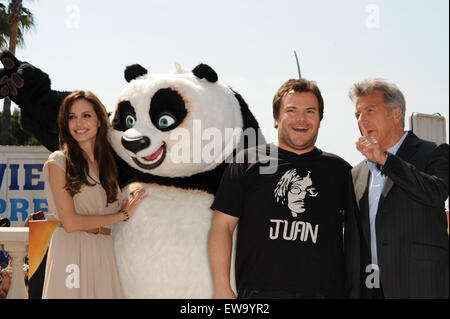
point(80, 264)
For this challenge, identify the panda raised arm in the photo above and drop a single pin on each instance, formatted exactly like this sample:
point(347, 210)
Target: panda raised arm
point(29, 88)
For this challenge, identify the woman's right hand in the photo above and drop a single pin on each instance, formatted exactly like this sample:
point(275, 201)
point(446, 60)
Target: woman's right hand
point(130, 203)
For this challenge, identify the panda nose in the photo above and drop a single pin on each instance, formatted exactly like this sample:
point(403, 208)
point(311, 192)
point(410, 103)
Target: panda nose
point(136, 144)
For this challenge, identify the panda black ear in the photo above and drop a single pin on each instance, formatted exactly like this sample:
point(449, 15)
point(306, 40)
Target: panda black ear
point(205, 71)
point(133, 71)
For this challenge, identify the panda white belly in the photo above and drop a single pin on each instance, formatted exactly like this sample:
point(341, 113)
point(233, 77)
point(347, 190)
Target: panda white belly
point(161, 252)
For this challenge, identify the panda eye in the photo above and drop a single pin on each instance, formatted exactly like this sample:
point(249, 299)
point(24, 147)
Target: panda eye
point(130, 120)
point(165, 121)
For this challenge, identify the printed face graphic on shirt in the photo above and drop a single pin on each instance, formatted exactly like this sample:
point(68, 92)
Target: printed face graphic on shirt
point(293, 189)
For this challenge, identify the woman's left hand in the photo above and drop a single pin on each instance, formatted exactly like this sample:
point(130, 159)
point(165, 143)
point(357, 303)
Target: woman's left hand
point(132, 201)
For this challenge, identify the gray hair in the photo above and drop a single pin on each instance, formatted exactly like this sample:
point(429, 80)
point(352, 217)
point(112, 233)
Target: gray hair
point(392, 96)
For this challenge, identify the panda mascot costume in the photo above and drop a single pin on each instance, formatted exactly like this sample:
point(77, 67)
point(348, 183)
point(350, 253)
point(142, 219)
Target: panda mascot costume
point(172, 134)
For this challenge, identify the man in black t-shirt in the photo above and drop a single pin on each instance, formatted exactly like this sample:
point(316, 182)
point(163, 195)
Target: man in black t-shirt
point(291, 202)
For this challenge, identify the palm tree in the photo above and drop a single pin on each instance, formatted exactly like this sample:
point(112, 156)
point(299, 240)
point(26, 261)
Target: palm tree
point(14, 21)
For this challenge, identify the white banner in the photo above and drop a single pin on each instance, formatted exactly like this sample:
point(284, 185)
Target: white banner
point(22, 182)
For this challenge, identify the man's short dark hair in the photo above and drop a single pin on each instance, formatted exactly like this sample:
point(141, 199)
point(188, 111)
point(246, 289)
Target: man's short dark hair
point(296, 85)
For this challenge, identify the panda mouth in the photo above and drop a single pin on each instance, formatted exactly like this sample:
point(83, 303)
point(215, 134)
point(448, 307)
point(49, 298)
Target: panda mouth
point(153, 160)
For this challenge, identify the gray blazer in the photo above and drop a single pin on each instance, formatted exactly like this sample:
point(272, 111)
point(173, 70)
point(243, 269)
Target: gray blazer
point(411, 224)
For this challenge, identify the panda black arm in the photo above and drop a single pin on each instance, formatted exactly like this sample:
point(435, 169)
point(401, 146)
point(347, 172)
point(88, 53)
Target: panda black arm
point(29, 88)
point(249, 120)
point(40, 120)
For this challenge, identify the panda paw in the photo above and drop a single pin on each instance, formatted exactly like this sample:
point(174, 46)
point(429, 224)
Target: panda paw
point(11, 76)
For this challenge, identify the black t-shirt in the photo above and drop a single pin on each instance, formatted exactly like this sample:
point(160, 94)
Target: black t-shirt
point(290, 229)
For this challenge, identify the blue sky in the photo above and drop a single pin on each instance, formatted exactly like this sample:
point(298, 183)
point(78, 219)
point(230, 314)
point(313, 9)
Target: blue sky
point(87, 44)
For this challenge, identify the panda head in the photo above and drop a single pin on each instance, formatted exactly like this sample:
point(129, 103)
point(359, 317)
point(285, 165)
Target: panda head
point(176, 124)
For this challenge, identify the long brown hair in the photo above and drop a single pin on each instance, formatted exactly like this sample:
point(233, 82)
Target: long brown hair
point(77, 168)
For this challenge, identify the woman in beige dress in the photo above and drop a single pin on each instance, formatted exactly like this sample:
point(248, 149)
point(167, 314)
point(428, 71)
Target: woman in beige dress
point(84, 196)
